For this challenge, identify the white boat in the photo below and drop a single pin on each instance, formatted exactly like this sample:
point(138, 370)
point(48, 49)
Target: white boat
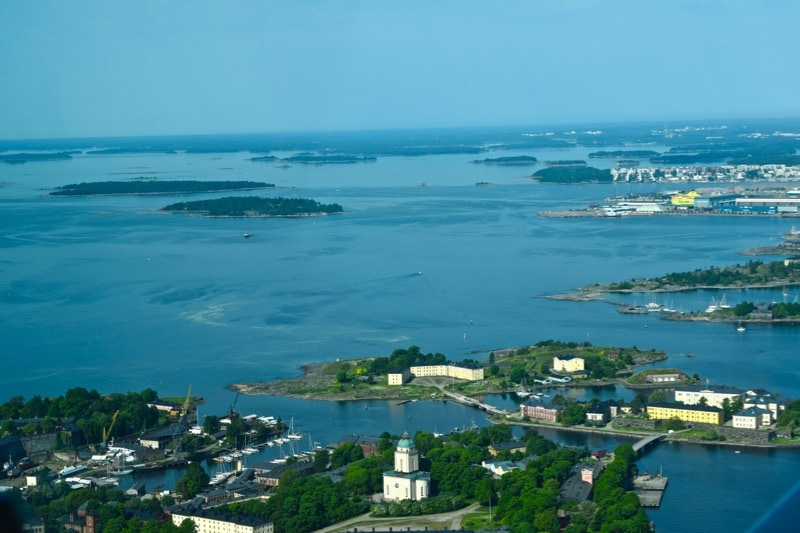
point(249, 450)
point(740, 328)
point(121, 469)
point(292, 434)
point(219, 478)
point(69, 470)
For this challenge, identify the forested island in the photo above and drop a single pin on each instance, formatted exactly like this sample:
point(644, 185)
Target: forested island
point(520, 160)
point(315, 159)
point(130, 150)
point(254, 206)
point(565, 163)
point(753, 274)
point(18, 159)
point(572, 174)
point(603, 154)
point(110, 188)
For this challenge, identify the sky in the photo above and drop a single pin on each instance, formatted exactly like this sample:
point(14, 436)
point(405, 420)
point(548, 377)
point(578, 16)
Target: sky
point(84, 68)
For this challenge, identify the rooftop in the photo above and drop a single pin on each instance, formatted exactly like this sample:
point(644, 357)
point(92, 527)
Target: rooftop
point(703, 408)
point(215, 514)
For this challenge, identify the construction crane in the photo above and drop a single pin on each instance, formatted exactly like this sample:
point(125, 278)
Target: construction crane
point(107, 431)
point(233, 405)
point(185, 409)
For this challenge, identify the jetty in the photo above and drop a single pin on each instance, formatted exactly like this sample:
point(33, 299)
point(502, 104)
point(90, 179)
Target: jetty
point(650, 489)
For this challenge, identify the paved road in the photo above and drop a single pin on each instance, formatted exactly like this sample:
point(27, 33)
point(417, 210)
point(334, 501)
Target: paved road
point(451, 520)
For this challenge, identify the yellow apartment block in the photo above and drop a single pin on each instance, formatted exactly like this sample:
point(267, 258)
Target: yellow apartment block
point(686, 413)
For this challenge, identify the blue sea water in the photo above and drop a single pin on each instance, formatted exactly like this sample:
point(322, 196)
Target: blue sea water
point(109, 294)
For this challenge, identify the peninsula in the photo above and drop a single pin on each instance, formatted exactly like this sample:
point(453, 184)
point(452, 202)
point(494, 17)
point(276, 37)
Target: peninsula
point(112, 188)
point(254, 206)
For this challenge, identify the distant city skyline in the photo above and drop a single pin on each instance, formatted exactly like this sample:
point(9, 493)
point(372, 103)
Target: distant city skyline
point(94, 69)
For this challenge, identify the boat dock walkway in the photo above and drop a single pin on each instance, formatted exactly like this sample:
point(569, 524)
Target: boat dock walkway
point(650, 489)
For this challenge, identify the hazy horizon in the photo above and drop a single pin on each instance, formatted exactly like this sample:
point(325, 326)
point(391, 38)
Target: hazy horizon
point(89, 69)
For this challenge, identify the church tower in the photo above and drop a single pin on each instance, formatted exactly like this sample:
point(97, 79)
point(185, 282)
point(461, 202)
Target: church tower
point(406, 456)
point(406, 481)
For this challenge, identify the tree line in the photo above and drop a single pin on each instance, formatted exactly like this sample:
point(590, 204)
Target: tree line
point(155, 187)
point(244, 206)
point(92, 412)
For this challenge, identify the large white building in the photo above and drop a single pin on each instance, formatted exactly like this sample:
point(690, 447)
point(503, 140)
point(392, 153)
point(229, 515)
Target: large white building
point(567, 363)
point(714, 395)
point(400, 376)
point(214, 521)
point(752, 418)
point(406, 481)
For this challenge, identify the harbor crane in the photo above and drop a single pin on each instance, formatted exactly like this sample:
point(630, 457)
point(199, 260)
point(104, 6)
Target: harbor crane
point(107, 431)
point(233, 405)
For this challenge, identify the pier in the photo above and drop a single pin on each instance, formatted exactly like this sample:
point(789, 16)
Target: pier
point(650, 489)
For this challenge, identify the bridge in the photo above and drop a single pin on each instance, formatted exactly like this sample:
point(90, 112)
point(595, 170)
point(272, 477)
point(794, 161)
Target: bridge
point(647, 441)
point(466, 400)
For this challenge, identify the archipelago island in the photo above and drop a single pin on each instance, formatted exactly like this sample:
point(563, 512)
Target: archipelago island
point(152, 186)
point(254, 206)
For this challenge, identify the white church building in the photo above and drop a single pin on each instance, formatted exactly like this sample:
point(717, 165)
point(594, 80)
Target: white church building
point(406, 481)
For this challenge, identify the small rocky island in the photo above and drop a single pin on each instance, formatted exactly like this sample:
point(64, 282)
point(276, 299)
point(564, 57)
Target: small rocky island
point(254, 206)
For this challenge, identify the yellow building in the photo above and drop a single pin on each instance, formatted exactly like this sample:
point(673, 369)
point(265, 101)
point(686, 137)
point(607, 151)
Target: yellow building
point(687, 413)
point(684, 200)
point(567, 363)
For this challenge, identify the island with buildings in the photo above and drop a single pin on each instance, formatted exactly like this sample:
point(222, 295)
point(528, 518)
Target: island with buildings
point(754, 274)
point(72, 452)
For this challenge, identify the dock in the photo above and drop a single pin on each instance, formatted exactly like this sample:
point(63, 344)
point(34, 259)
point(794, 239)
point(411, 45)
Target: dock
point(650, 489)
